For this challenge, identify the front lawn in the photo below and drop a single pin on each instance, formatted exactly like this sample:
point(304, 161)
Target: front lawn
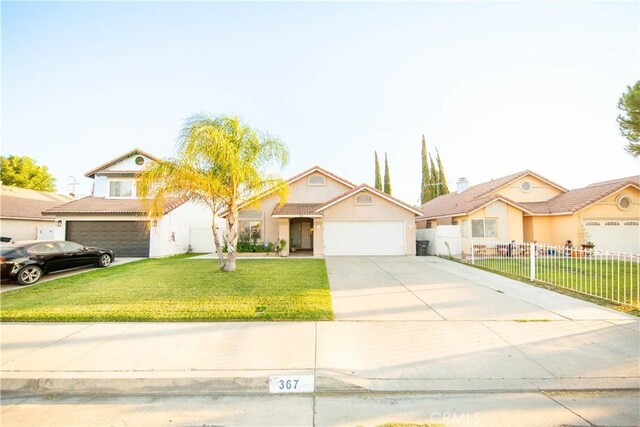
point(179, 289)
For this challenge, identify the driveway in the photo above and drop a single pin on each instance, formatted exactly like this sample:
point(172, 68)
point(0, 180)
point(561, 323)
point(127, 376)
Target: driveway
point(430, 288)
point(8, 285)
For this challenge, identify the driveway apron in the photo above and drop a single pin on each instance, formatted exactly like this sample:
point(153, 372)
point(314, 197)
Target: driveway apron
point(429, 288)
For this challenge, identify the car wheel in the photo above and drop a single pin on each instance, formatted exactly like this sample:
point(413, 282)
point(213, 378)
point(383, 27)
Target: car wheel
point(29, 275)
point(104, 260)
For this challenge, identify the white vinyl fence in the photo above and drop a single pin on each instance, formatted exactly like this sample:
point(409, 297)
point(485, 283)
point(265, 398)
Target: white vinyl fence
point(611, 276)
point(444, 240)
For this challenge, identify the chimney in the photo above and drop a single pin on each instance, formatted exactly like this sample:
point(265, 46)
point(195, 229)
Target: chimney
point(463, 184)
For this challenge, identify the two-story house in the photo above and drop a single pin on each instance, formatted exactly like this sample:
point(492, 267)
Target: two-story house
point(114, 217)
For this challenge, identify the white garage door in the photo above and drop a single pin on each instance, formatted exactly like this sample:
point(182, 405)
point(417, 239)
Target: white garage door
point(615, 236)
point(364, 238)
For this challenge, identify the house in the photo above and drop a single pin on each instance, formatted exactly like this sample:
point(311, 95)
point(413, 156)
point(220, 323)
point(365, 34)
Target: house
point(21, 212)
point(114, 217)
point(526, 206)
point(325, 214)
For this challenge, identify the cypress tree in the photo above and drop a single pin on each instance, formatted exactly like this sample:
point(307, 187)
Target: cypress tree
point(378, 180)
point(387, 177)
point(442, 184)
point(435, 179)
point(425, 193)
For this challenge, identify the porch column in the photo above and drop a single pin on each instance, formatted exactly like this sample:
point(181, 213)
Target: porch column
point(318, 240)
point(283, 233)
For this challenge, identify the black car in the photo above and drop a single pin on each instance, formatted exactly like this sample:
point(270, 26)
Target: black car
point(26, 262)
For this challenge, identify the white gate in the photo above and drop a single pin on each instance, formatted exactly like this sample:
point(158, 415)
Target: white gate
point(443, 240)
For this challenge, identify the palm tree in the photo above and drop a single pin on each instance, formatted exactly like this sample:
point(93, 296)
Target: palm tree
point(220, 162)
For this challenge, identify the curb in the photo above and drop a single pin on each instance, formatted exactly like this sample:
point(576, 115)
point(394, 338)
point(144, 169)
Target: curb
point(176, 383)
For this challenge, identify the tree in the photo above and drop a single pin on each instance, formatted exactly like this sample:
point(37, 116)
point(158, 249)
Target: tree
point(23, 172)
point(425, 193)
point(443, 188)
point(435, 179)
point(629, 120)
point(378, 180)
point(387, 177)
point(220, 162)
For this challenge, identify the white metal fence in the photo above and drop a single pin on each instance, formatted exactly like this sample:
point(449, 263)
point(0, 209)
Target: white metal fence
point(611, 276)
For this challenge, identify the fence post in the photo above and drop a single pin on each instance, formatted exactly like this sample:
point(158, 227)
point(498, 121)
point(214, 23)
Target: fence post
point(473, 252)
point(532, 262)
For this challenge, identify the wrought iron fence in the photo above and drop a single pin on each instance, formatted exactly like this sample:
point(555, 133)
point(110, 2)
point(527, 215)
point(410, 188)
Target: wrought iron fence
point(607, 275)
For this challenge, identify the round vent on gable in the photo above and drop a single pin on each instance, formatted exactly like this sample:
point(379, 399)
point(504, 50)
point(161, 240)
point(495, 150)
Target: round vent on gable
point(525, 186)
point(139, 160)
point(623, 202)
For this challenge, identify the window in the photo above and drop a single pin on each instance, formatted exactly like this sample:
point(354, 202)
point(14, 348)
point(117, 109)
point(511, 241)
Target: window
point(484, 228)
point(70, 247)
point(525, 186)
point(623, 202)
point(364, 199)
point(44, 248)
point(251, 230)
point(464, 228)
point(316, 180)
point(121, 189)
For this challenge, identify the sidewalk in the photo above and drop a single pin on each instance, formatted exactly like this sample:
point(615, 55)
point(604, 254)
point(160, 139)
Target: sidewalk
point(211, 358)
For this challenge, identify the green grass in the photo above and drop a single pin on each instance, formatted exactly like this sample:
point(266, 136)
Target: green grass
point(614, 285)
point(179, 289)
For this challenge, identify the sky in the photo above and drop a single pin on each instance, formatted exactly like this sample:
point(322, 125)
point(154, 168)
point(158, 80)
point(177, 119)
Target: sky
point(497, 87)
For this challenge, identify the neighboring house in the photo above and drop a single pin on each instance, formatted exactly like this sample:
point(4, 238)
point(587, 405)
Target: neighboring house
point(528, 207)
point(114, 218)
point(21, 212)
point(325, 214)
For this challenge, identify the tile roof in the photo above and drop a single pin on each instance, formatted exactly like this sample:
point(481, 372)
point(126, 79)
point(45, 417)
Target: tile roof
point(112, 162)
point(22, 203)
point(479, 195)
point(296, 209)
point(366, 187)
point(290, 181)
point(100, 205)
point(574, 200)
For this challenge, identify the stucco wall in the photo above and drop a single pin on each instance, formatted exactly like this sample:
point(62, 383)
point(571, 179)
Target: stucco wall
point(559, 228)
point(381, 210)
point(540, 190)
point(172, 235)
point(299, 192)
point(19, 229)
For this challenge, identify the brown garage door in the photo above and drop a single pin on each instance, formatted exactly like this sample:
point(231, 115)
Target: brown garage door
point(124, 238)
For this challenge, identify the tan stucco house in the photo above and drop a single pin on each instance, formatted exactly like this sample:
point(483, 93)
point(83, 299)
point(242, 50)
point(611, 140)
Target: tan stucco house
point(325, 214)
point(21, 213)
point(526, 206)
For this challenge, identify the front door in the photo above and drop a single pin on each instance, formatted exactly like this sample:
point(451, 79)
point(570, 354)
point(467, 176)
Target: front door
point(301, 233)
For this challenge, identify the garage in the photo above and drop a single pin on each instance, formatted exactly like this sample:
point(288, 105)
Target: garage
point(614, 235)
point(124, 238)
point(364, 238)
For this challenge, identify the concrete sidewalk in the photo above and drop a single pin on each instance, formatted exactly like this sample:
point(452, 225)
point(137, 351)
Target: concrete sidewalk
point(210, 358)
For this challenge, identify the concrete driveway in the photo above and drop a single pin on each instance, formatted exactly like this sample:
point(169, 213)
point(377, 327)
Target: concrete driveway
point(430, 288)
